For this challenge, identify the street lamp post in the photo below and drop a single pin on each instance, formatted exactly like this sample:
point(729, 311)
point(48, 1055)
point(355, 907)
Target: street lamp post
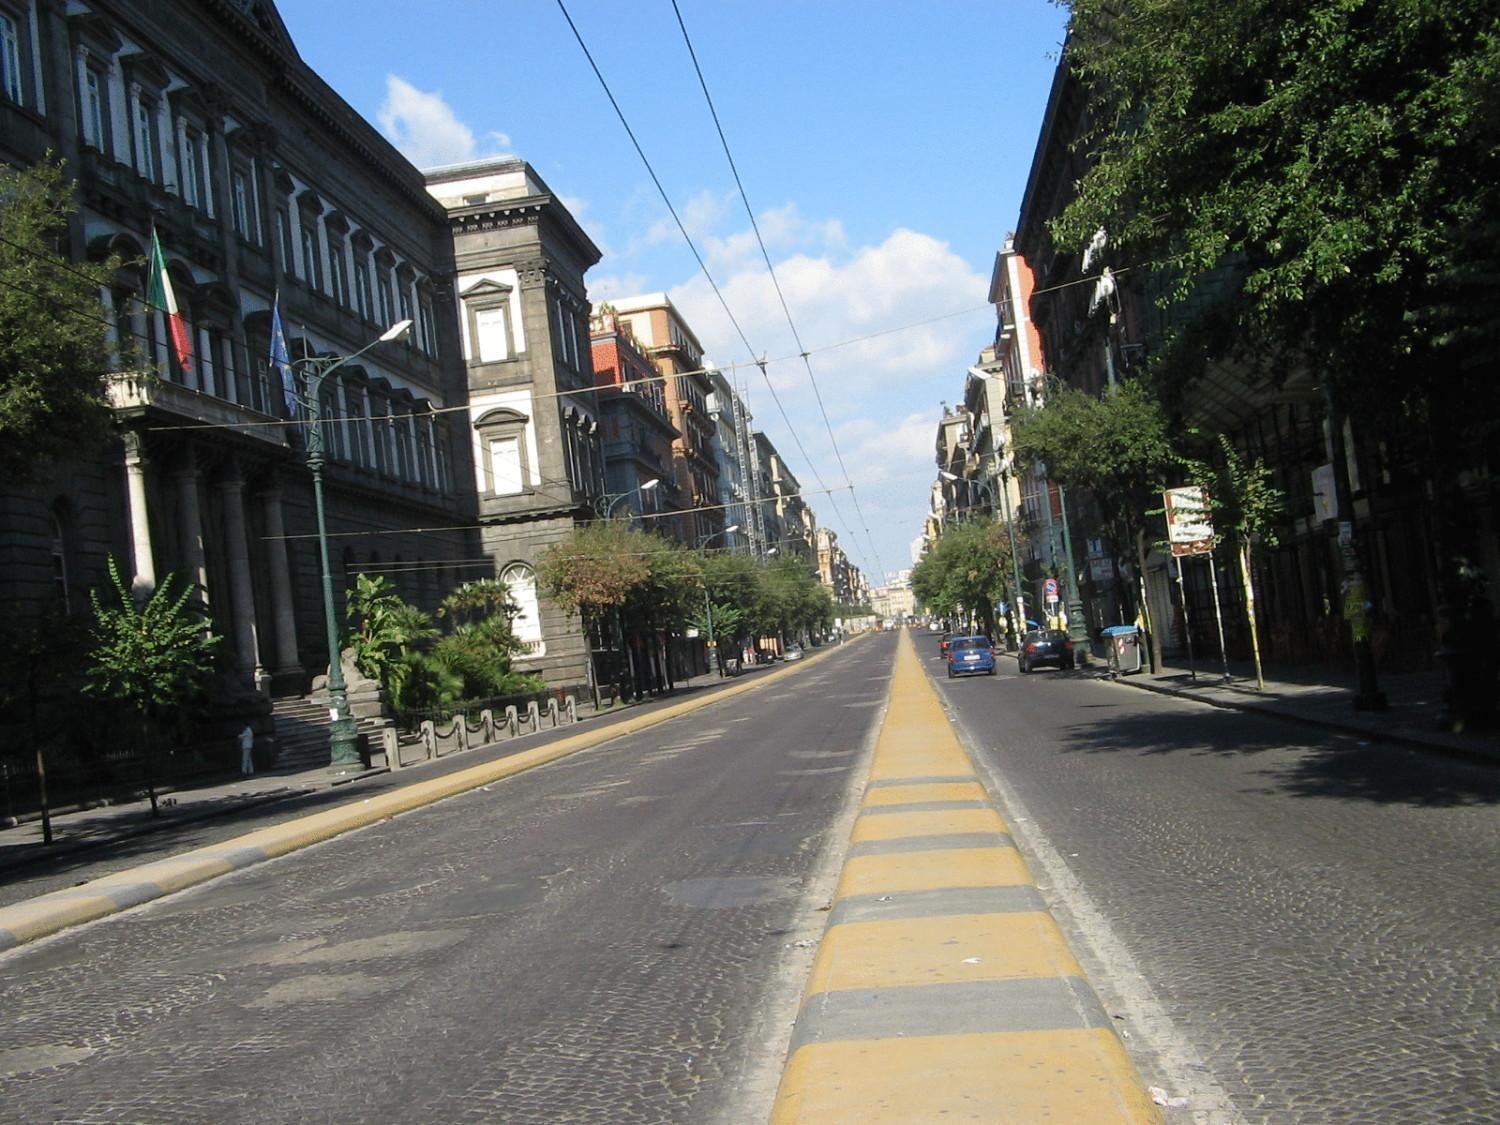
point(987, 489)
point(613, 502)
point(712, 648)
point(606, 506)
point(343, 740)
point(1004, 468)
point(1076, 628)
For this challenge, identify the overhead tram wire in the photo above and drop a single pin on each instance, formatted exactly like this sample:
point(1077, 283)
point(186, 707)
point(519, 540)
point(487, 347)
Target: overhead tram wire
point(761, 362)
point(642, 516)
point(776, 283)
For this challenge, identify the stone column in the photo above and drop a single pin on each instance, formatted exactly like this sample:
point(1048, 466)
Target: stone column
point(281, 585)
point(190, 521)
point(143, 580)
point(241, 589)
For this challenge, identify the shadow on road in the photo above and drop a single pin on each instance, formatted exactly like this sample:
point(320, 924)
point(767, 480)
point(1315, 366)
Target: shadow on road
point(1309, 764)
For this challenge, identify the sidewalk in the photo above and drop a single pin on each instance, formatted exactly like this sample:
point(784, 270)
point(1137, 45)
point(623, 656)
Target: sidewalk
point(78, 832)
point(1324, 699)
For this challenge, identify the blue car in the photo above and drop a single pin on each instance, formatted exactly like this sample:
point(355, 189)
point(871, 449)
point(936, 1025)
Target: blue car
point(968, 656)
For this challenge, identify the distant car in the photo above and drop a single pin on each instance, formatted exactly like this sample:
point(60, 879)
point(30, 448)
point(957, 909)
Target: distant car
point(792, 652)
point(1042, 647)
point(968, 656)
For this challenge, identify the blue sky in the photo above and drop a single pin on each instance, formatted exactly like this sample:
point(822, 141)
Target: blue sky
point(884, 148)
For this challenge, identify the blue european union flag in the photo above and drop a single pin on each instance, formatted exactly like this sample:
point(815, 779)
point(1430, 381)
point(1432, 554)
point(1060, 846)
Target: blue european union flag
point(281, 360)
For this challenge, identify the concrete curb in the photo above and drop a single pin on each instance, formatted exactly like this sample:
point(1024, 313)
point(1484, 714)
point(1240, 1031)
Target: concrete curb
point(1390, 737)
point(1436, 744)
point(39, 917)
point(942, 987)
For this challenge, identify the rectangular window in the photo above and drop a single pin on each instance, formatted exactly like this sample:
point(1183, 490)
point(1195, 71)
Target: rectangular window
point(310, 271)
point(10, 58)
point(95, 98)
point(505, 466)
point(336, 280)
point(424, 318)
point(189, 163)
point(492, 327)
point(145, 140)
point(385, 302)
point(284, 241)
point(406, 312)
point(244, 213)
point(362, 290)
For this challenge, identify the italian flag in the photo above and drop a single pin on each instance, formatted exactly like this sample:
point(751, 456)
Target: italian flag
point(159, 295)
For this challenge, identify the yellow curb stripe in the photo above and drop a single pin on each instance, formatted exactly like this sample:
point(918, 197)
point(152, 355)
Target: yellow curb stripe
point(925, 791)
point(940, 950)
point(901, 825)
point(1063, 1076)
point(978, 1014)
point(932, 870)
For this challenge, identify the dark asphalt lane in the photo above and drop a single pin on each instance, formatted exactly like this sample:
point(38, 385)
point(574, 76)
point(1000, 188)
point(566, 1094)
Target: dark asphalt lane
point(1298, 928)
point(619, 936)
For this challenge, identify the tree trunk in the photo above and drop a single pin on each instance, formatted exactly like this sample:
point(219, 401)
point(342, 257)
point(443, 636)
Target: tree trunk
point(1141, 551)
point(1244, 552)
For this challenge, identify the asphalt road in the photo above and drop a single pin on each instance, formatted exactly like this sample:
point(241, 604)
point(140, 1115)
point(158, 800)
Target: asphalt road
point(621, 936)
point(1292, 928)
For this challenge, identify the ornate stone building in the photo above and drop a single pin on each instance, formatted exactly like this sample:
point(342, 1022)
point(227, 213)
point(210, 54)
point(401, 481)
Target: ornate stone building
point(638, 431)
point(538, 466)
point(204, 122)
point(679, 357)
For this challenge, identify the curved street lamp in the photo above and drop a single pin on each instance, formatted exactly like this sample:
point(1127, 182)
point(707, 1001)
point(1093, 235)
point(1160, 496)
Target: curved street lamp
point(708, 605)
point(343, 738)
point(610, 503)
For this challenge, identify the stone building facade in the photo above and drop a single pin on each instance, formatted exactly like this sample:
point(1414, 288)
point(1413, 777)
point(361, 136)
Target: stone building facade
point(533, 418)
point(203, 122)
point(678, 356)
point(637, 430)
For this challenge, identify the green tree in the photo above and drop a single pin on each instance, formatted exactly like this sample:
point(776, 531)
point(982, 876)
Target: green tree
point(1316, 161)
point(480, 645)
point(1248, 512)
point(966, 573)
point(154, 655)
point(1116, 447)
point(53, 350)
point(632, 584)
point(1315, 184)
point(386, 634)
point(39, 659)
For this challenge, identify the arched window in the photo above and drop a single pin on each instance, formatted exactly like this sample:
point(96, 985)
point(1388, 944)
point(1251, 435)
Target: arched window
point(520, 583)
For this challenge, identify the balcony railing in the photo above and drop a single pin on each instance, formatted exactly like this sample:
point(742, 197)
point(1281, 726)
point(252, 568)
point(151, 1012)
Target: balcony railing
point(137, 391)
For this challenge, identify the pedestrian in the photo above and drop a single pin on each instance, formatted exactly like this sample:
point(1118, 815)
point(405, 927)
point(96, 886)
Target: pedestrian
point(247, 745)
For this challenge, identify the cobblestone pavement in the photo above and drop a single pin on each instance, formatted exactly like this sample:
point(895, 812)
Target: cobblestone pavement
point(1294, 927)
point(614, 937)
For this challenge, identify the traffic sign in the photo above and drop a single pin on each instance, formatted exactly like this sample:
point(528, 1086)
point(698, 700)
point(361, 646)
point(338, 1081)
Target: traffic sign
point(1049, 588)
point(1190, 530)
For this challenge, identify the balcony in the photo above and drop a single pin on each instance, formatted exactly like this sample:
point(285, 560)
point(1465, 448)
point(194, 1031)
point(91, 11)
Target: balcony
point(132, 393)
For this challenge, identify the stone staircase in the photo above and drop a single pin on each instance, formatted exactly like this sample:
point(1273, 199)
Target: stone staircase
point(302, 733)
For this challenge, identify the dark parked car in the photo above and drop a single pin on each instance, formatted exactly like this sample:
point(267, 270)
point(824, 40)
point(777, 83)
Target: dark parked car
point(968, 656)
point(1045, 646)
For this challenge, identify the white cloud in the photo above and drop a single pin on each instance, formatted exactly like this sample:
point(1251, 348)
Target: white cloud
point(699, 216)
point(427, 131)
point(890, 328)
point(834, 299)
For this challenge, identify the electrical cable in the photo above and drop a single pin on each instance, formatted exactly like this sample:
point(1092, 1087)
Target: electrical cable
point(761, 363)
point(776, 283)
